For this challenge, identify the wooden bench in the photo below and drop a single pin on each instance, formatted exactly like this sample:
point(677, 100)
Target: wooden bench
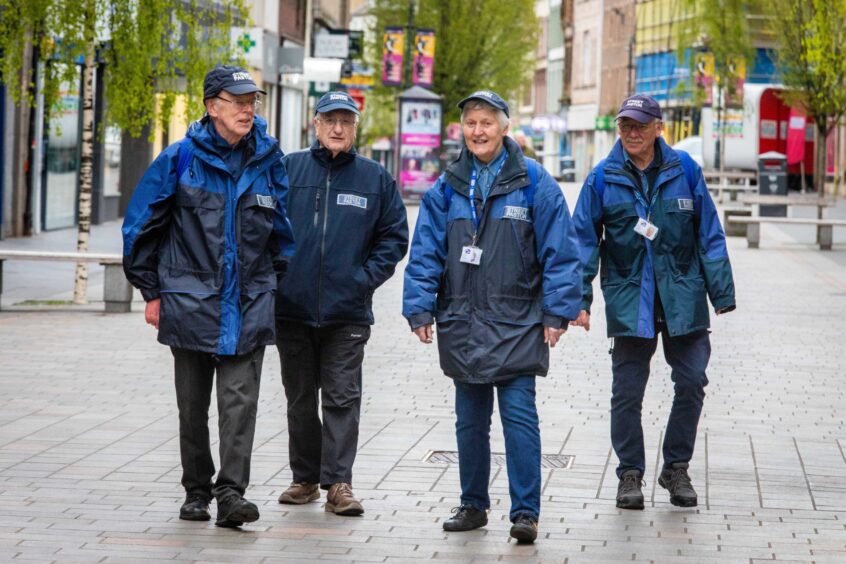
point(733, 190)
point(117, 292)
point(825, 228)
point(788, 200)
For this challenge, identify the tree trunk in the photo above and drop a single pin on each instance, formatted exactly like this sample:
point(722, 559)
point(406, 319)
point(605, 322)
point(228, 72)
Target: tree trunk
point(86, 175)
point(819, 161)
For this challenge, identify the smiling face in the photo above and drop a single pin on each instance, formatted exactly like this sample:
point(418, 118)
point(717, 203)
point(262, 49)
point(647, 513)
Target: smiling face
point(638, 139)
point(232, 115)
point(335, 130)
point(483, 132)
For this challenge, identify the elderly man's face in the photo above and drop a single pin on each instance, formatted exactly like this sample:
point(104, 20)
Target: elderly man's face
point(232, 115)
point(482, 133)
point(336, 130)
point(639, 138)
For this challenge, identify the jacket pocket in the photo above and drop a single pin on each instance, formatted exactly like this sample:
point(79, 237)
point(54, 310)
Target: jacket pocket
point(678, 239)
point(190, 320)
point(255, 227)
point(622, 248)
point(196, 239)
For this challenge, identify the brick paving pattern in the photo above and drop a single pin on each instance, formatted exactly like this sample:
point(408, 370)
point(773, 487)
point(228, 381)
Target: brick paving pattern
point(89, 461)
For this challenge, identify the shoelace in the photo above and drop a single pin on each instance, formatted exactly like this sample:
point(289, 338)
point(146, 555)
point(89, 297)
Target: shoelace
point(679, 477)
point(343, 489)
point(195, 497)
point(630, 482)
point(461, 509)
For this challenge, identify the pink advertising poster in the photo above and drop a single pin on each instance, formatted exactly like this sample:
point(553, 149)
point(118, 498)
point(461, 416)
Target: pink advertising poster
point(420, 141)
point(393, 43)
point(424, 58)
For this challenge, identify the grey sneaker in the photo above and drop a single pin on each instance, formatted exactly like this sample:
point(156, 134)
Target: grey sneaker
point(674, 478)
point(299, 493)
point(629, 494)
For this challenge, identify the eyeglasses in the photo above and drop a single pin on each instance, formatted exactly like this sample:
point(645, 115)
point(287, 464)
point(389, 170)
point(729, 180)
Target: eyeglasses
point(640, 127)
point(346, 123)
point(243, 104)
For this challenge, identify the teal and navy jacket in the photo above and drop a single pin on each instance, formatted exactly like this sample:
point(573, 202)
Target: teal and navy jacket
point(490, 317)
point(211, 241)
point(685, 262)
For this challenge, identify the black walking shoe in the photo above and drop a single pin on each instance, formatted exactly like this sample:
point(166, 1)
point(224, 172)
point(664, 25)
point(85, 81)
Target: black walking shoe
point(195, 508)
point(675, 480)
point(524, 530)
point(466, 518)
point(629, 494)
point(234, 511)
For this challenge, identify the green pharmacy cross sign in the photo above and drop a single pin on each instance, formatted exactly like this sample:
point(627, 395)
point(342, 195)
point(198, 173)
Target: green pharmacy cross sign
point(246, 43)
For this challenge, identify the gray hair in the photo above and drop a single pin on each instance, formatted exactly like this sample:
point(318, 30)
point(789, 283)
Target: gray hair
point(482, 105)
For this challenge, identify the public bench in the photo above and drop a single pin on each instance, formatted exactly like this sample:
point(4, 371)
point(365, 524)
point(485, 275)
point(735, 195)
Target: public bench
point(825, 228)
point(733, 190)
point(117, 292)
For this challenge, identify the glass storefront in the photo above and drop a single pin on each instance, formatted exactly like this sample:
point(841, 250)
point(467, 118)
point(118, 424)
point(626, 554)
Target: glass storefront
point(59, 194)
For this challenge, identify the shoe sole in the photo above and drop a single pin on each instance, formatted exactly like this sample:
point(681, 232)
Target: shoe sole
point(206, 517)
point(351, 510)
point(679, 501)
point(523, 536)
point(289, 500)
point(636, 505)
point(450, 529)
point(238, 518)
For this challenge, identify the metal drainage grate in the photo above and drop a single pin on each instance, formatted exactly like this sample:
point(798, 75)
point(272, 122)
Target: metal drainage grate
point(564, 461)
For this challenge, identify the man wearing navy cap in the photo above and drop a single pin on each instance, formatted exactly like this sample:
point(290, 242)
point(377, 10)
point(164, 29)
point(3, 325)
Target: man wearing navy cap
point(494, 262)
point(206, 240)
point(351, 231)
point(646, 218)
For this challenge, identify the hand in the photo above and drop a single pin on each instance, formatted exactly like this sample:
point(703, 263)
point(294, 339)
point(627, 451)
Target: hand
point(583, 320)
point(551, 335)
point(424, 333)
point(151, 312)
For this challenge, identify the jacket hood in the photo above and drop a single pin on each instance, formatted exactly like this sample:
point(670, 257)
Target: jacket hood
point(461, 169)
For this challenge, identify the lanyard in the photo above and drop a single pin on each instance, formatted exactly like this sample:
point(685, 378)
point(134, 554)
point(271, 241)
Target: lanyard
point(472, 194)
point(648, 205)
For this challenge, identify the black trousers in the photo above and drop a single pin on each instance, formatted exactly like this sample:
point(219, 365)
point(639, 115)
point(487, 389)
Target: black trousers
point(238, 380)
point(321, 372)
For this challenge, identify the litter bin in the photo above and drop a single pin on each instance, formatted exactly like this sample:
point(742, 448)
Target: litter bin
point(568, 169)
point(772, 181)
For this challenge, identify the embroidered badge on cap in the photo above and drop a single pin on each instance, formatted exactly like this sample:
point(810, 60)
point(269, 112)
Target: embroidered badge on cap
point(516, 212)
point(265, 201)
point(352, 200)
point(685, 204)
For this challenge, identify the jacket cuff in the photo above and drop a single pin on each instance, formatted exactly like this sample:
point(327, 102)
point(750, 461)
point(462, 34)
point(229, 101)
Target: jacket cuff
point(585, 305)
point(555, 321)
point(726, 303)
point(420, 319)
point(149, 295)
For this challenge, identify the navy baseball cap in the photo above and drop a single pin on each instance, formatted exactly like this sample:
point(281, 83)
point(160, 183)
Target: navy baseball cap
point(234, 80)
point(488, 96)
point(336, 100)
point(640, 108)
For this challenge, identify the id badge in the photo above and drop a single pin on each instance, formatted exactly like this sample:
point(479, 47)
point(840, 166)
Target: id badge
point(471, 255)
point(646, 228)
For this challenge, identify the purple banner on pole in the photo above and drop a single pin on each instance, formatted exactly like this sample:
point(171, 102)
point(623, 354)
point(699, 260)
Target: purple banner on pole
point(424, 58)
point(393, 47)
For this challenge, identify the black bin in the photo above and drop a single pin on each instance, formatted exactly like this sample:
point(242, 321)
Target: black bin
point(772, 181)
point(568, 169)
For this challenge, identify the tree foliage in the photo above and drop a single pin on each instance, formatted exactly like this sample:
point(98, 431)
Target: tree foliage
point(479, 44)
point(149, 47)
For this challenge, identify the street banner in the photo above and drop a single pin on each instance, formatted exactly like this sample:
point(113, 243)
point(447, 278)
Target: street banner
point(424, 58)
point(705, 77)
point(393, 47)
point(795, 137)
point(420, 141)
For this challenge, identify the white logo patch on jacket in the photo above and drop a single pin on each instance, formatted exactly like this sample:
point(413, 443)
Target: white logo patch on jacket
point(265, 201)
point(352, 200)
point(685, 204)
point(516, 212)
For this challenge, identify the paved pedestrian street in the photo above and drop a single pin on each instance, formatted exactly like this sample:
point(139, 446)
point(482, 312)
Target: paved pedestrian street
point(89, 460)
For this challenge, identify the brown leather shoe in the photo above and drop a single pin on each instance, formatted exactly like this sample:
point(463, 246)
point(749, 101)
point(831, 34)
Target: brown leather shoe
point(300, 493)
point(341, 501)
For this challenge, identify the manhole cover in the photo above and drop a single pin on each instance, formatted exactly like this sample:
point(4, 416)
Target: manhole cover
point(498, 459)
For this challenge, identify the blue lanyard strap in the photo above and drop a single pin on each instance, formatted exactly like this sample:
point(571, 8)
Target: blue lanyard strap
point(472, 195)
point(647, 205)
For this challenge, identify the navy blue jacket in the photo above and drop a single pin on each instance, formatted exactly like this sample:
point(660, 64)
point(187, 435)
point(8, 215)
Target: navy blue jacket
point(490, 317)
point(686, 262)
point(351, 229)
point(211, 244)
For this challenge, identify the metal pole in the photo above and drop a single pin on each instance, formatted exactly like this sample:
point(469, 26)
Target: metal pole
point(407, 61)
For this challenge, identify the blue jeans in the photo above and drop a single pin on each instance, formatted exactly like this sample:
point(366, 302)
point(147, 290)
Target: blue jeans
point(519, 415)
point(688, 357)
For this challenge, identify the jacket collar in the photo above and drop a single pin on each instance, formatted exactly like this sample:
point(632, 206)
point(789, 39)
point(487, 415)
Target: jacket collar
point(617, 156)
point(324, 156)
point(203, 140)
point(514, 174)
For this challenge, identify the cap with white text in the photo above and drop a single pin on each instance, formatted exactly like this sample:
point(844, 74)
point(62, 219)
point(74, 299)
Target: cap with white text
point(640, 108)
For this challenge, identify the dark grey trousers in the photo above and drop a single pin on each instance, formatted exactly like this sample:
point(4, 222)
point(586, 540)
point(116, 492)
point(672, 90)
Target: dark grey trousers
point(238, 380)
point(321, 372)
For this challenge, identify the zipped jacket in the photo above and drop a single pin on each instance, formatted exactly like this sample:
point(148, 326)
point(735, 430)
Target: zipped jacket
point(686, 261)
point(211, 244)
point(490, 317)
point(351, 229)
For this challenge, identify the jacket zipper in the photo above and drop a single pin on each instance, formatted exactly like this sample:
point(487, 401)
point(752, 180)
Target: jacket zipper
point(323, 241)
point(316, 206)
